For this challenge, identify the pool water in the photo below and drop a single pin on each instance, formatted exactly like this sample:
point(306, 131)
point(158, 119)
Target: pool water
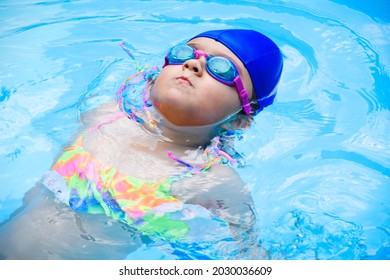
point(318, 160)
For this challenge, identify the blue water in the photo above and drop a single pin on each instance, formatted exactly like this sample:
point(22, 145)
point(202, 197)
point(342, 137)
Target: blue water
point(318, 159)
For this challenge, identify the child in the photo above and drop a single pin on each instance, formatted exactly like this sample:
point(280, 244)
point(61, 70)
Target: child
point(159, 170)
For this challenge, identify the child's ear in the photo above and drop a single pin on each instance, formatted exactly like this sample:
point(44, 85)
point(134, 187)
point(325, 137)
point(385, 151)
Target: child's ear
point(238, 122)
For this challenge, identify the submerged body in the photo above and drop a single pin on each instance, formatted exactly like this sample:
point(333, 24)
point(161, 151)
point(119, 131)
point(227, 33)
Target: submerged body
point(131, 149)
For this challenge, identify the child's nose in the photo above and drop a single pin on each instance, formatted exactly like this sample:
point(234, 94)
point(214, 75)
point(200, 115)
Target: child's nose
point(196, 65)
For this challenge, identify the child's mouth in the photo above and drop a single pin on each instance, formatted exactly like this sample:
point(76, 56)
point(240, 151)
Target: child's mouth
point(184, 80)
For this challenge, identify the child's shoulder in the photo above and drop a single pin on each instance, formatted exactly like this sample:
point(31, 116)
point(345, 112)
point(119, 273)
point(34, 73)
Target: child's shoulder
point(100, 114)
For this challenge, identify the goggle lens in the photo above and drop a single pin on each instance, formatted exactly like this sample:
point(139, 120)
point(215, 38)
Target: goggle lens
point(222, 68)
point(219, 67)
point(180, 54)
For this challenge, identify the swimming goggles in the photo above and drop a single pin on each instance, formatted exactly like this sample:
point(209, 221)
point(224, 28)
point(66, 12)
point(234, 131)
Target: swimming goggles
point(219, 67)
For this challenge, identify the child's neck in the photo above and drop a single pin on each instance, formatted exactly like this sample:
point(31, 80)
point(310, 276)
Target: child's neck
point(188, 136)
point(185, 136)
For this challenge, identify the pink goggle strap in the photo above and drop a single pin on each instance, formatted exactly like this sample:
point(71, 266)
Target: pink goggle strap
point(243, 94)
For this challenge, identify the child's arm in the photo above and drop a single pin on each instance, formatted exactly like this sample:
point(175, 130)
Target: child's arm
point(229, 198)
point(222, 192)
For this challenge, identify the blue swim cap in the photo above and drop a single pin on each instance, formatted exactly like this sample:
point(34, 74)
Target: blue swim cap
point(260, 55)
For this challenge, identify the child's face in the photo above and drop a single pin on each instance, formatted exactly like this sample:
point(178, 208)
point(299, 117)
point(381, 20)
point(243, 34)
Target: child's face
point(186, 95)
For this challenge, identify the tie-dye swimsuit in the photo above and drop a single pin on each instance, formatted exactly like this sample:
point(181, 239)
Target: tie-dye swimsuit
point(93, 187)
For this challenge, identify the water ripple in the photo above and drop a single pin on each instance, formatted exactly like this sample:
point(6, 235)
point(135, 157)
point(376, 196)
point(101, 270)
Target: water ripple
point(23, 29)
point(360, 159)
point(4, 94)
